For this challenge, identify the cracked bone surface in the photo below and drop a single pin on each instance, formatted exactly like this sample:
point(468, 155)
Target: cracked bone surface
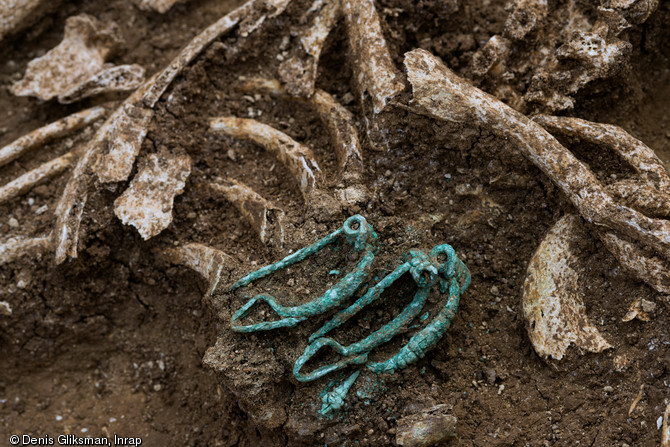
point(43, 135)
point(147, 203)
point(298, 158)
point(441, 94)
point(120, 78)
point(564, 47)
point(131, 119)
point(298, 72)
point(552, 306)
point(263, 216)
point(71, 70)
point(374, 72)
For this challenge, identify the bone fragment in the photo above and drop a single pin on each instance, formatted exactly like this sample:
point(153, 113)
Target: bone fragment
point(160, 6)
point(225, 24)
point(552, 306)
point(120, 78)
point(15, 247)
point(298, 158)
point(637, 400)
point(264, 217)
point(640, 309)
point(138, 105)
point(126, 132)
point(5, 309)
point(644, 198)
point(78, 57)
point(38, 175)
point(15, 15)
point(298, 72)
point(526, 15)
point(432, 426)
point(147, 203)
point(665, 429)
point(43, 135)
point(441, 94)
point(208, 262)
point(642, 158)
point(342, 130)
point(374, 71)
point(645, 266)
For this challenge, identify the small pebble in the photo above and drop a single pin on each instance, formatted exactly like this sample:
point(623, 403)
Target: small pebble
point(608, 389)
point(659, 422)
point(59, 418)
point(13, 222)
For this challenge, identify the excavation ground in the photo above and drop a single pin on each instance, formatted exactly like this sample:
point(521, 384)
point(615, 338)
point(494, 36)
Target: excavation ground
point(113, 342)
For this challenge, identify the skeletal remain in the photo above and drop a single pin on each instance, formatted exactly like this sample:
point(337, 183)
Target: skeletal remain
point(665, 432)
point(38, 175)
point(264, 217)
point(15, 247)
point(208, 262)
point(439, 93)
point(644, 198)
point(131, 120)
point(645, 192)
point(43, 135)
point(342, 130)
point(147, 203)
point(564, 47)
point(552, 306)
point(69, 69)
point(642, 158)
point(121, 78)
point(374, 71)
point(5, 309)
point(298, 72)
point(125, 134)
point(15, 15)
point(526, 15)
point(298, 158)
point(640, 309)
point(160, 6)
point(431, 426)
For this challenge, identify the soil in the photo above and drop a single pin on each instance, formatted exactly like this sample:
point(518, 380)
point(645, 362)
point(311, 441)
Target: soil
point(113, 342)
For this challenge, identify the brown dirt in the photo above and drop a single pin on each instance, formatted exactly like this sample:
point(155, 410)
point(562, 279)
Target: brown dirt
point(113, 341)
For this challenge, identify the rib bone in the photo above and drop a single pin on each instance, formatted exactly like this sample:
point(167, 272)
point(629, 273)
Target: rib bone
point(299, 71)
point(208, 262)
point(342, 130)
point(33, 178)
point(261, 214)
point(441, 94)
point(632, 150)
point(375, 73)
point(139, 105)
point(298, 158)
point(43, 135)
